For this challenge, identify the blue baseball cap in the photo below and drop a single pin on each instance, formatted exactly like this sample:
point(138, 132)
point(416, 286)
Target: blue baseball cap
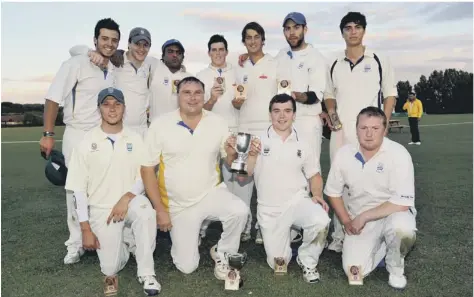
point(56, 170)
point(296, 17)
point(116, 93)
point(172, 42)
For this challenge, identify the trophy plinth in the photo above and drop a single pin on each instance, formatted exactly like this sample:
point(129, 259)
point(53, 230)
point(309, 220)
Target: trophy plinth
point(233, 280)
point(355, 276)
point(280, 267)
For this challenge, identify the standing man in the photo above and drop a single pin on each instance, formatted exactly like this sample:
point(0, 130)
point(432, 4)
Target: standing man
point(132, 77)
point(219, 79)
point(188, 144)
point(259, 76)
point(166, 75)
point(104, 174)
point(379, 214)
point(414, 108)
point(282, 170)
point(357, 78)
point(76, 85)
point(305, 68)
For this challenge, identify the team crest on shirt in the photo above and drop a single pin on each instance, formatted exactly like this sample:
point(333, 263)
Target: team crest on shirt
point(245, 79)
point(379, 168)
point(266, 150)
point(367, 68)
point(94, 146)
point(298, 153)
point(166, 81)
point(129, 147)
point(300, 66)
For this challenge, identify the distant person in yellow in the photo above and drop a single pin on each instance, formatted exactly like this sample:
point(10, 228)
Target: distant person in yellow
point(414, 108)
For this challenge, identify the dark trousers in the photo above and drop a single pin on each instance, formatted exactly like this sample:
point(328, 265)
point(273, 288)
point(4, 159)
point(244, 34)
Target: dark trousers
point(415, 133)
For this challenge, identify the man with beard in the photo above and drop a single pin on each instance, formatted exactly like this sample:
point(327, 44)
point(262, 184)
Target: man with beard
point(356, 79)
point(104, 174)
point(76, 86)
point(132, 77)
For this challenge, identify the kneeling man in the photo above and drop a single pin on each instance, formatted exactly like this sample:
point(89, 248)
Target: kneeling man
point(282, 169)
point(187, 144)
point(104, 174)
point(380, 217)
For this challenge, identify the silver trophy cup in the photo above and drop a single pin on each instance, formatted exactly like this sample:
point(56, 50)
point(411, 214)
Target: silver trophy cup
point(242, 147)
point(236, 262)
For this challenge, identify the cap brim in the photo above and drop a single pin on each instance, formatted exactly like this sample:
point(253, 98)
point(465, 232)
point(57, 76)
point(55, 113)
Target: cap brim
point(174, 43)
point(110, 95)
point(296, 22)
point(138, 38)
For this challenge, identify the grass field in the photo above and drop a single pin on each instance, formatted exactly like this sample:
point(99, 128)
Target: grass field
point(34, 230)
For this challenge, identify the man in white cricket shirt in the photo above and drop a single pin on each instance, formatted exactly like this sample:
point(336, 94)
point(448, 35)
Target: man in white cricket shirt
point(282, 169)
point(219, 79)
point(132, 76)
point(104, 174)
point(356, 79)
point(379, 214)
point(76, 86)
point(188, 144)
point(259, 76)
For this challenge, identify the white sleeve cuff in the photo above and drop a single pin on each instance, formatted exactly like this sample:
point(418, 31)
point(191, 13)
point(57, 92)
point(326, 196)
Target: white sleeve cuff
point(82, 206)
point(138, 188)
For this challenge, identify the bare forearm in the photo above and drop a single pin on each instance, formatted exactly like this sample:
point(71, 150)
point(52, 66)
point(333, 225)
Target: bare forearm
point(50, 113)
point(230, 158)
point(338, 205)
point(316, 183)
point(382, 211)
point(389, 103)
point(151, 187)
point(330, 105)
point(251, 161)
point(209, 104)
point(85, 226)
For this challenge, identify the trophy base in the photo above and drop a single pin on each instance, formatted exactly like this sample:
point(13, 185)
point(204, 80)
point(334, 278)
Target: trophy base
point(280, 267)
point(355, 277)
point(239, 168)
point(233, 281)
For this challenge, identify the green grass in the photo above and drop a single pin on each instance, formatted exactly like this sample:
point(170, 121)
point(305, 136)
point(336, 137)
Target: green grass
point(34, 230)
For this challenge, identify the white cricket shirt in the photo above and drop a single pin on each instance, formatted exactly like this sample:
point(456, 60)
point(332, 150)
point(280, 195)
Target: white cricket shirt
point(356, 86)
point(283, 168)
point(260, 81)
point(387, 176)
point(189, 160)
point(76, 86)
point(105, 169)
point(306, 70)
point(163, 96)
point(223, 106)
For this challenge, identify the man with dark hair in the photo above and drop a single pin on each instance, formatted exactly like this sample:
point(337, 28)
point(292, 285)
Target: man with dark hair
point(133, 75)
point(76, 86)
point(282, 169)
point(379, 215)
point(188, 144)
point(414, 109)
point(219, 78)
point(356, 79)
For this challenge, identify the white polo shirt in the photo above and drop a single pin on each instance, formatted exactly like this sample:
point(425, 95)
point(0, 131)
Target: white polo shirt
point(306, 70)
point(387, 176)
point(357, 86)
point(163, 97)
point(223, 106)
point(283, 168)
point(103, 169)
point(189, 160)
point(261, 83)
point(76, 86)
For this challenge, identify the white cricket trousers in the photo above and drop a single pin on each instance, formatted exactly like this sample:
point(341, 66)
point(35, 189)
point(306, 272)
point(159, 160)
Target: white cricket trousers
point(71, 139)
point(276, 223)
point(346, 135)
point(218, 205)
point(391, 237)
point(114, 251)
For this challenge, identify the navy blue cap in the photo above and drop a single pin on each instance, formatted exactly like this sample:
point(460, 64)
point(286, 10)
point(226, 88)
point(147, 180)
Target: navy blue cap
point(116, 93)
point(56, 170)
point(172, 42)
point(296, 17)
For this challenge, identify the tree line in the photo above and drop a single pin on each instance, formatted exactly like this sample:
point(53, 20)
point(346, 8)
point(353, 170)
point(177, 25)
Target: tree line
point(448, 91)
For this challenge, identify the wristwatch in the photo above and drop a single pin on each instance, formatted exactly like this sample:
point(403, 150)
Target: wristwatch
point(48, 134)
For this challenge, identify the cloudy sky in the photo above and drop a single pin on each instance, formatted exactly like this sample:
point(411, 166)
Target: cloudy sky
point(418, 37)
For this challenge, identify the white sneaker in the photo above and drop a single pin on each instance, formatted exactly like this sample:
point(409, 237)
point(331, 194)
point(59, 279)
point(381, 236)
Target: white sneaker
point(336, 246)
point(73, 256)
point(410, 143)
point(221, 269)
point(244, 237)
point(258, 237)
point(151, 286)
point(397, 282)
point(310, 275)
point(418, 143)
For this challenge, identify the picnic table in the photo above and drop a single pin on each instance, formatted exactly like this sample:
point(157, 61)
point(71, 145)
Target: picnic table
point(395, 124)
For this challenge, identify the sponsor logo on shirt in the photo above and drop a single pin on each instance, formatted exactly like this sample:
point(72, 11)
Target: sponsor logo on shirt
point(129, 147)
point(263, 76)
point(379, 168)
